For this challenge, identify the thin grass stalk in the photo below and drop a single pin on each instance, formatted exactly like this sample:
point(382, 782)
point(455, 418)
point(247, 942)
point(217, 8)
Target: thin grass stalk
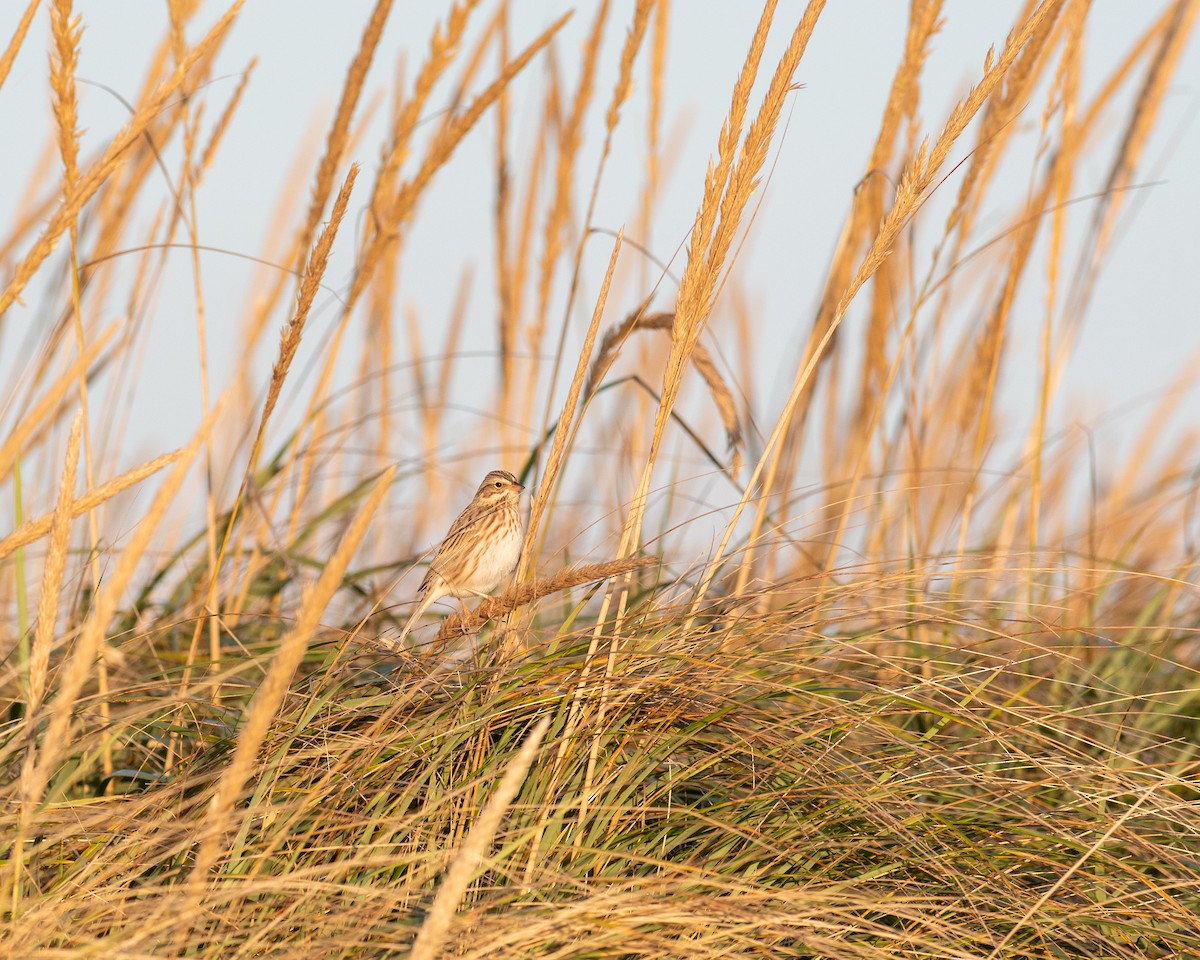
point(289, 343)
point(221, 127)
point(1142, 116)
point(507, 320)
point(179, 12)
point(91, 179)
point(391, 205)
point(459, 125)
point(49, 406)
point(32, 530)
point(432, 934)
point(728, 189)
point(1067, 81)
point(15, 41)
point(265, 705)
point(621, 91)
point(567, 418)
point(104, 606)
point(66, 30)
point(19, 573)
point(654, 109)
point(915, 182)
point(865, 213)
point(376, 360)
point(39, 660)
point(570, 138)
point(339, 131)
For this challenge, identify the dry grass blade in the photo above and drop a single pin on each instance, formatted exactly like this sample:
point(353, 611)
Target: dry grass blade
point(289, 343)
point(633, 43)
point(1174, 39)
point(222, 125)
point(453, 133)
point(289, 338)
point(721, 393)
point(266, 702)
point(91, 637)
point(94, 177)
point(50, 402)
point(474, 848)
point(567, 419)
point(52, 577)
point(570, 138)
point(18, 37)
point(518, 596)
point(728, 189)
point(37, 669)
point(339, 131)
point(35, 529)
point(65, 31)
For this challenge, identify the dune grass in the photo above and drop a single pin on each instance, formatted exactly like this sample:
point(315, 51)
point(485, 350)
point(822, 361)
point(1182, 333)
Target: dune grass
point(941, 703)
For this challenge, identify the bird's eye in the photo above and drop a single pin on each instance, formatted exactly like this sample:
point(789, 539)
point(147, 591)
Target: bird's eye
point(499, 484)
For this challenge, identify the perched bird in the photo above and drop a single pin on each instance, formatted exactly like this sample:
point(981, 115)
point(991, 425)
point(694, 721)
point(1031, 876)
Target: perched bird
point(481, 550)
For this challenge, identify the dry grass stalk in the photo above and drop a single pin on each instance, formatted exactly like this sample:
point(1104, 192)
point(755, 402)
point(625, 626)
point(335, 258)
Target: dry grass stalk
point(629, 52)
point(38, 666)
point(567, 422)
point(729, 187)
point(1067, 81)
point(917, 179)
point(104, 606)
point(383, 235)
point(520, 595)
point(514, 281)
point(722, 395)
point(391, 205)
point(458, 126)
point(266, 703)
point(866, 212)
point(339, 130)
point(52, 576)
point(289, 342)
point(32, 530)
point(570, 137)
point(15, 41)
point(95, 176)
point(658, 68)
point(291, 334)
point(507, 318)
point(49, 405)
point(65, 31)
point(432, 934)
point(289, 338)
point(1173, 39)
point(222, 125)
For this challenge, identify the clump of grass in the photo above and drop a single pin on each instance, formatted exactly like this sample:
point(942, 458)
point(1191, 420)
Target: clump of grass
point(975, 739)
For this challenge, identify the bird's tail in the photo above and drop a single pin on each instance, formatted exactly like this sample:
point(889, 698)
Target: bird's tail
point(426, 600)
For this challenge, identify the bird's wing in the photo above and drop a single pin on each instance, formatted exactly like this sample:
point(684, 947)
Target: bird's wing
point(471, 517)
